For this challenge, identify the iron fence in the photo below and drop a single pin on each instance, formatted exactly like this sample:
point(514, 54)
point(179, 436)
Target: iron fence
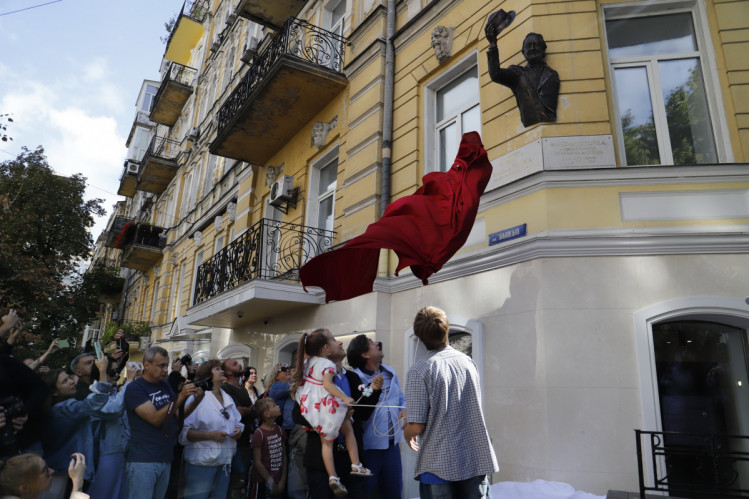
point(296, 38)
point(161, 147)
point(693, 464)
point(268, 250)
point(178, 73)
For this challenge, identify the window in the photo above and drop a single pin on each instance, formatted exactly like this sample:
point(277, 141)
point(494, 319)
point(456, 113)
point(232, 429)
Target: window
point(228, 68)
point(327, 180)
point(186, 195)
point(210, 171)
point(198, 263)
point(148, 97)
point(155, 301)
point(662, 92)
point(139, 144)
point(452, 109)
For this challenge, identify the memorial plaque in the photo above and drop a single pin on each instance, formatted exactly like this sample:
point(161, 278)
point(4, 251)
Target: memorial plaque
point(515, 165)
point(569, 153)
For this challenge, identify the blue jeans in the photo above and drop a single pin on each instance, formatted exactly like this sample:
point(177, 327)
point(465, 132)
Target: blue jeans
point(109, 480)
point(385, 465)
point(203, 482)
point(471, 488)
point(146, 480)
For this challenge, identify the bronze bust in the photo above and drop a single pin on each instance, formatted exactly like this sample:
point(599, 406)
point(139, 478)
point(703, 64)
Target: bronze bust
point(535, 85)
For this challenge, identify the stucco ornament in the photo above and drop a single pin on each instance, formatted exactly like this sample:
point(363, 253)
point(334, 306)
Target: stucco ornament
point(175, 257)
point(442, 42)
point(320, 131)
point(231, 211)
point(218, 222)
point(272, 173)
point(198, 238)
point(156, 270)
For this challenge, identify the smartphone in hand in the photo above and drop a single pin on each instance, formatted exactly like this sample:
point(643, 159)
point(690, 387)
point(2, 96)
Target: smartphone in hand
point(97, 348)
point(63, 343)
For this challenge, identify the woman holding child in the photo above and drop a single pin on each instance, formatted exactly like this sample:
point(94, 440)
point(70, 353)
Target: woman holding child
point(209, 437)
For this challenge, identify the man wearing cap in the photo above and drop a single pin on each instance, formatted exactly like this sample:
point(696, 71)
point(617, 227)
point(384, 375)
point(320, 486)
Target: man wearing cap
point(383, 436)
point(535, 85)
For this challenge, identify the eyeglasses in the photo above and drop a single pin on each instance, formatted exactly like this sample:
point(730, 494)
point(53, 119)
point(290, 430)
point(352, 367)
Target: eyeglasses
point(225, 413)
point(285, 369)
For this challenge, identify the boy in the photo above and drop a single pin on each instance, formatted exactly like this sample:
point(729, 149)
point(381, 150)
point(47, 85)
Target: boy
point(268, 475)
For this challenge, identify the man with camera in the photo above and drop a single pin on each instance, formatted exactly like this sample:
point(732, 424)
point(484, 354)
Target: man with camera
point(151, 409)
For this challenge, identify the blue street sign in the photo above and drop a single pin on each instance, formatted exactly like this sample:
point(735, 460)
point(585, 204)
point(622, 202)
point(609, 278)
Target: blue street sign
point(507, 234)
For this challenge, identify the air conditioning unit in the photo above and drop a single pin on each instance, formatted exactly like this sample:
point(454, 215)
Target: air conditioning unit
point(216, 43)
point(131, 167)
point(281, 190)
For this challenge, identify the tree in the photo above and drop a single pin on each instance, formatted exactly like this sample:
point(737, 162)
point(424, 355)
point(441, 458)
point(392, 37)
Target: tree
point(4, 120)
point(44, 222)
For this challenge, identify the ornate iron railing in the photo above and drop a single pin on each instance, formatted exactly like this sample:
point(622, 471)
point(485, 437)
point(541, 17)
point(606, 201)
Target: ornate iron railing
point(197, 10)
point(179, 74)
point(161, 147)
point(268, 250)
point(298, 39)
point(694, 464)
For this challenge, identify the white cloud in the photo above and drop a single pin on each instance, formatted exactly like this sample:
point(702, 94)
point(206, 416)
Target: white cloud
point(77, 138)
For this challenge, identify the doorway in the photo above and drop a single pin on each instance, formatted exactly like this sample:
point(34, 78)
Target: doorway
point(702, 373)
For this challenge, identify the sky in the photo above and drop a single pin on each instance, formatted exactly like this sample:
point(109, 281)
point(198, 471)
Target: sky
point(70, 73)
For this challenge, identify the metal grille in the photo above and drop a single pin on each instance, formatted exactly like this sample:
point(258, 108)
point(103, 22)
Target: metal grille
point(298, 39)
point(269, 250)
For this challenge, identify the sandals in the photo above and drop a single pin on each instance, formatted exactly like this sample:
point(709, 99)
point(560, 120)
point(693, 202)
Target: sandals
point(360, 470)
point(335, 484)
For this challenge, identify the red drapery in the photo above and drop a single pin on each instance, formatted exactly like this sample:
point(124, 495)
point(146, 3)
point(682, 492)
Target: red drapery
point(424, 229)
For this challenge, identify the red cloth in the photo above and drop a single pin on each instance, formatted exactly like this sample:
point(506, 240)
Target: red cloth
point(424, 229)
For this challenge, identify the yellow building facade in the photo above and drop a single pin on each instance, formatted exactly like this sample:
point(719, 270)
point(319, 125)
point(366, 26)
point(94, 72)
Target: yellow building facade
point(277, 133)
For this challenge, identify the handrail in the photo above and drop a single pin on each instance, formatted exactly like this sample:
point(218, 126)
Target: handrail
point(268, 250)
point(297, 39)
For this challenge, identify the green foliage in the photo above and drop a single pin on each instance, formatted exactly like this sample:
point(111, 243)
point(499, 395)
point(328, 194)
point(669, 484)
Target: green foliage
point(169, 27)
point(4, 120)
point(44, 222)
point(132, 329)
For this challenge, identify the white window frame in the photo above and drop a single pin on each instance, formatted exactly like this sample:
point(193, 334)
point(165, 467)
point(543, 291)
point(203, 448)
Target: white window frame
point(155, 301)
point(431, 132)
point(705, 53)
point(198, 263)
point(144, 99)
point(314, 184)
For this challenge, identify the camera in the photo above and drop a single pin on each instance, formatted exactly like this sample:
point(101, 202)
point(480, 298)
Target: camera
point(205, 384)
point(12, 408)
point(186, 359)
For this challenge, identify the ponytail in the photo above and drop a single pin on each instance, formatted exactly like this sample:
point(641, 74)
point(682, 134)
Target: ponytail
point(298, 372)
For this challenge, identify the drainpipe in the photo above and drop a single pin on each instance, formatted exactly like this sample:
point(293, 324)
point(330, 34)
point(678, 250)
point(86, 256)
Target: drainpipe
point(387, 119)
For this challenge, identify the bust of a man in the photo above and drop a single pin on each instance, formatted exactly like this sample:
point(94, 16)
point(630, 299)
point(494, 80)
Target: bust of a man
point(535, 85)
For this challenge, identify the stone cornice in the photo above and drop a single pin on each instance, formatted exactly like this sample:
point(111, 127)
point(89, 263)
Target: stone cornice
point(584, 243)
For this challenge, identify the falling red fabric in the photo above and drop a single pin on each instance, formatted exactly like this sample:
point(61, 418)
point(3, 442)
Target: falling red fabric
point(424, 229)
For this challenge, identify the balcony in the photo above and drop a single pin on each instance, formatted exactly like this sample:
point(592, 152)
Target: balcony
point(114, 232)
point(296, 76)
point(159, 165)
point(129, 179)
point(187, 31)
point(141, 245)
point(174, 91)
point(257, 275)
point(271, 14)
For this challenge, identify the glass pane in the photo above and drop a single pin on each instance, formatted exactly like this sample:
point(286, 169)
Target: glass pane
point(325, 215)
point(460, 93)
point(689, 124)
point(448, 146)
point(702, 380)
point(653, 35)
point(471, 120)
point(638, 126)
point(328, 176)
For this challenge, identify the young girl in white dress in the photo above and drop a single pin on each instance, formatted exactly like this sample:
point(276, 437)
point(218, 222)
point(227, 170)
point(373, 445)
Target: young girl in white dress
point(323, 404)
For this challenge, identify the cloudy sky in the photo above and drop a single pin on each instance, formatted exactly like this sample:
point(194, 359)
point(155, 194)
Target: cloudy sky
point(70, 73)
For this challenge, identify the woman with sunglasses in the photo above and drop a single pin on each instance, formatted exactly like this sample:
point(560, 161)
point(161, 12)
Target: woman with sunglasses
point(209, 437)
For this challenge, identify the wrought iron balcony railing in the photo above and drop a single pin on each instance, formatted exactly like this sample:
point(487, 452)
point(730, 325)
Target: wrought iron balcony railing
point(297, 39)
point(177, 73)
point(694, 464)
point(269, 250)
point(161, 147)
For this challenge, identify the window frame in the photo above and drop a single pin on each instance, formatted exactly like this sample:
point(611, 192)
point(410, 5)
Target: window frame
point(313, 210)
point(431, 130)
point(705, 49)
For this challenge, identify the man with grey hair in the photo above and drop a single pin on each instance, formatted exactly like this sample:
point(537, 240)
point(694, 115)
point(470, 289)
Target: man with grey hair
point(151, 410)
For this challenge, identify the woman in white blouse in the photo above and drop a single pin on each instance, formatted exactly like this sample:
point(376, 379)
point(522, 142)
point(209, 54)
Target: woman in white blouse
point(209, 437)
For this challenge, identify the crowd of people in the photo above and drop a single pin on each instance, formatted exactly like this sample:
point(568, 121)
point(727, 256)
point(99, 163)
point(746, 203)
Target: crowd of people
point(109, 428)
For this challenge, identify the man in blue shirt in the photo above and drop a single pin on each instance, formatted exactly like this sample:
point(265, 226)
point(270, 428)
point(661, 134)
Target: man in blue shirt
point(151, 410)
point(383, 434)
